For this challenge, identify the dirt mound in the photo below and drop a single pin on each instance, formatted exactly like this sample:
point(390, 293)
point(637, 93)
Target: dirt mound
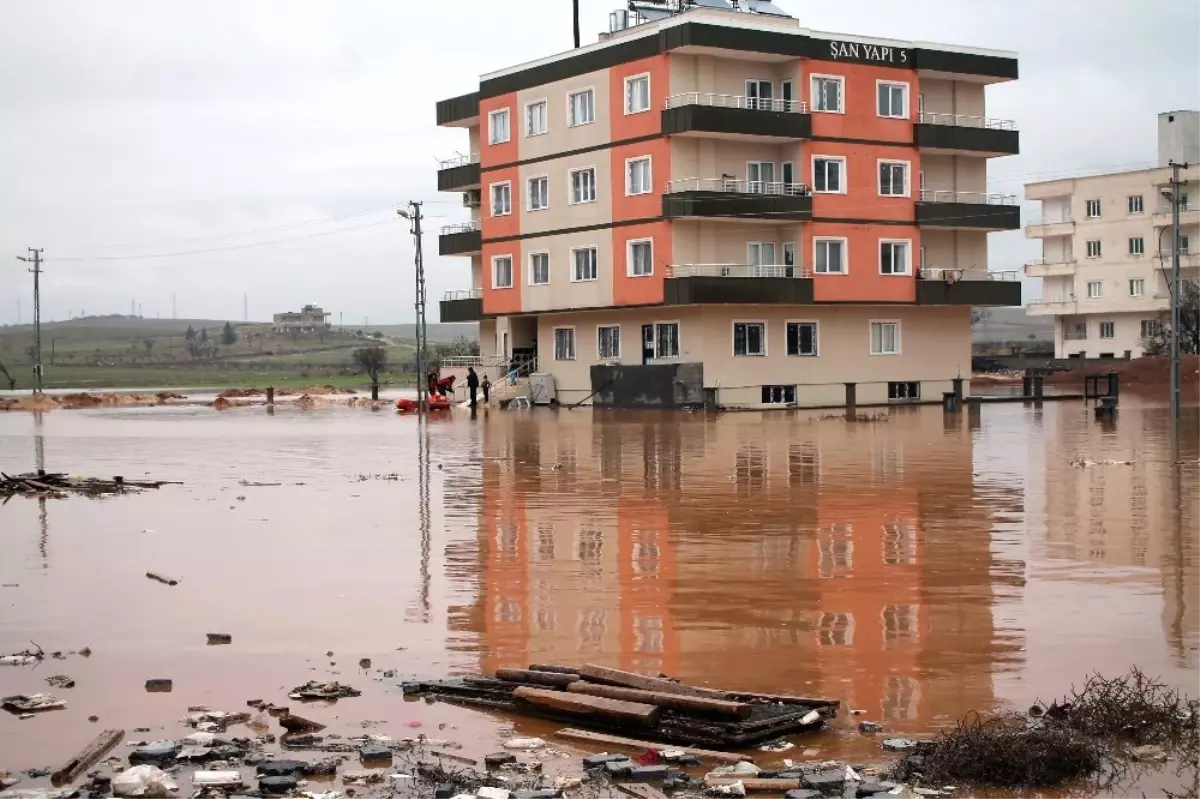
point(225, 403)
point(231, 393)
point(314, 391)
point(1155, 371)
point(85, 400)
point(165, 396)
point(367, 402)
point(34, 402)
point(307, 402)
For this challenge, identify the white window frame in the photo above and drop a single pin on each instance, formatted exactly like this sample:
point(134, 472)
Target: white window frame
point(495, 272)
point(907, 257)
point(574, 342)
point(678, 339)
point(629, 257)
point(571, 185)
point(815, 96)
point(492, 126)
point(529, 192)
point(573, 93)
point(1087, 209)
point(649, 100)
point(759, 245)
point(1140, 203)
point(1112, 329)
point(529, 260)
point(892, 84)
point(733, 338)
point(879, 162)
point(1139, 284)
point(492, 197)
point(600, 356)
point(629, 162)
point(870, 338)
point(1088, 248)
point(842, 177)
point(595, 263)
point(1140, 248)
point(845, 254)
point(530, 133)
point(1098, 285)
point(816, 337)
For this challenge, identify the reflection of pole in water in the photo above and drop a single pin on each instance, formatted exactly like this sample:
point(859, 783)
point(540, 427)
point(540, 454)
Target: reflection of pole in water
point(39, 459)
point(1180, 566)
point(420, 611)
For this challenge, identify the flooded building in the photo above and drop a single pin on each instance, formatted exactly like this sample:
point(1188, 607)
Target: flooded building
point(308, 319)
point(1106, 248)
point(715, 203)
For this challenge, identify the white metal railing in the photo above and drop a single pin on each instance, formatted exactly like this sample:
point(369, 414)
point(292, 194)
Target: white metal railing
point(1071, 335)
point(465, 294)
point(1052, 219)
point(955, 275)
point(738, 186)
point(1066, 259)
point(458, 160)
point(460, 361)
point(460, 227)
point(1057, 299)
point(972, 197)
point(966, 121)
point(735, 101)
point(738, 270)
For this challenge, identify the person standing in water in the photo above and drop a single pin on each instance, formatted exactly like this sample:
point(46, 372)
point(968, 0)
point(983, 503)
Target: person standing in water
point(472, 385)
point(486, 385)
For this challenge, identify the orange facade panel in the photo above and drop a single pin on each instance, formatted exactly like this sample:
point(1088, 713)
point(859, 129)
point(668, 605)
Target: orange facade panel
point(631, 289)
point(863, 280)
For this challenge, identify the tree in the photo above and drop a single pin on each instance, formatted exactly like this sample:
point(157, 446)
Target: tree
point(229, 335)
point(1159, 342)
point(204, 335)
point(371, 360)
point(12, 381)
point(190, 335)
point(148, 343)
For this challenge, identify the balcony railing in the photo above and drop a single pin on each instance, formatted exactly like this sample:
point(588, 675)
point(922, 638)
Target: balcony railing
point(460, 227)
point(465, 294)
point(735, 101)
point(966, 121)
point(736, 186)
point(458, 160)
point(738, 270)
point(955, 275)
point(971, 197)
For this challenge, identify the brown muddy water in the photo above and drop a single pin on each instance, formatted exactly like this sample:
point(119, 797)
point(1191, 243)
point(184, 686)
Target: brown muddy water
point(917, 569)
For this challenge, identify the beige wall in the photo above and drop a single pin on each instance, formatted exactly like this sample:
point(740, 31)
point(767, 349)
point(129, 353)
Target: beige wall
point(952, 97)
point(954, 173)
point(955, 249)
point(561, 214)
point(562, 291)
point(709, 243)
point(698, 157)
point(709, 74)
point(559, 137)
point(473, 141)
point(476, 272)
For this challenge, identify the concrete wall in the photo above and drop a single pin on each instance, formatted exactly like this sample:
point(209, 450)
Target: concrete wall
point(954, 249)
point(1179, 137)
point(695, 157)
point(708, 243)
point(709, 74)
point(952, 97)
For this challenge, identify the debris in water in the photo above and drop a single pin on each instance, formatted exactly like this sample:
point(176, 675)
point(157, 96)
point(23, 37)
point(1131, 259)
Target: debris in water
point(60, 681)
point(32, 703)
point(219, 639)
point(158, 686)
point(146, 782)
point(57, 485)
point(160, 578)
point(323, 690)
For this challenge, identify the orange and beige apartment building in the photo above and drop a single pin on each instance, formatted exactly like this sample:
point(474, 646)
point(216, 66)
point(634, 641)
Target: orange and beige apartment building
point(715, 203)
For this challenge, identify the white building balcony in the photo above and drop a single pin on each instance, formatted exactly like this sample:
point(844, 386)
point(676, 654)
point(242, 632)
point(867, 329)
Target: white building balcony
point(1051, 225)
point(1061, 267)
point(1189, 215)
point(1055, 305)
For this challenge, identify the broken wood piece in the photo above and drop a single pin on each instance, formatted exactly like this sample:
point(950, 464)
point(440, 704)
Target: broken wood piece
point(581, 705)
point(294, 723)
point(160, 578)
point(551, 678)
point(632, 743)
point(629, 679)
point(470, 761)
point(702, 704)
point(555, 669)
point(640, 790)
point(814, 701)
point(753, 783)
point(218, 639)
point(98, 748)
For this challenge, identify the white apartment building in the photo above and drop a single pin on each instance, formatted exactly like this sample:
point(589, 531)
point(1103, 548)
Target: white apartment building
point(1106, 247)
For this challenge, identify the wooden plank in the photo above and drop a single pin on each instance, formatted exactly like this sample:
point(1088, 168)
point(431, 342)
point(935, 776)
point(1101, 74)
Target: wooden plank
point(814, 701)
point(550, 678)
point(632, 743)
point(702, 704)
point(641, 790)
point(629, 679)
point(591, 706)
point(752, 783)
point(97, 749)
point(555, 669)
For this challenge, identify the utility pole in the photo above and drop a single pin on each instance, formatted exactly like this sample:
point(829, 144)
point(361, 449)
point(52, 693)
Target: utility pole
point(1176, 287)
point(414, 215)
point(174, 314)
point(245, 307)
point(35, 258)
point(575, 4)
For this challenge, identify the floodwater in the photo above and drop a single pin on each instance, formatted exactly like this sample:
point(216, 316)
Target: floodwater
point(917, 569)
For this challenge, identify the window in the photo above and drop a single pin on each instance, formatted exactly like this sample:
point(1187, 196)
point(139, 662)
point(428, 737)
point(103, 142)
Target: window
point(1183, 244)
point(885, 338)
point(583, 264)
point(539, 193)
point(749, 338)
point(1092, 209)
point(666, 339)
point(894, 258)
point(828, 174)
point(1149, 328)
point(802, 338)
point(498, 126)
point(539, 268)
point(759, 253)
point(1135, 204)
point(892, 99)
point(1137, 287)
point(637, 94)
point(893, 178)
point(608, 342)
point(1137, 245)
point(1093, 248)
point(789, 255)
point(641, 258)
point(829, 256)
point(564, 343)
point(502, 198)
point(759, 176)
point(778, 395)
point(583, 185)
point(581, 108)
point(1107, 330)
point(502, 277)
point(827, 93)
point(904, 390)
point(759, 94)
point(536, 118)
point(637, 176)
point(1093, 288)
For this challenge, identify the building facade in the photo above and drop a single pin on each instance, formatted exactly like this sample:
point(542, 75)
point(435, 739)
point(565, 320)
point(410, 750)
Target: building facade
point(309, 319)
point(1106, 248)
point(788, 210)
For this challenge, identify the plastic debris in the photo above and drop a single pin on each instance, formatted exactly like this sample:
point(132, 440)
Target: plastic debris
point(32, 703)
point(217, 779)
point(898, 744)
point(150, 782)
point(493, 793)
point(60, 681)
point(524, 743)
point(736, 789)
point(777, 746)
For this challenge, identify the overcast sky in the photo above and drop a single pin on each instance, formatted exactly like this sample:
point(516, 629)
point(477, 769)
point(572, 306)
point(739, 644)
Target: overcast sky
point(167, 126)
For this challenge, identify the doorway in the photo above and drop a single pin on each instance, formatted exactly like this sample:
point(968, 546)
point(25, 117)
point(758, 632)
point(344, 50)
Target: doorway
point(647, 344)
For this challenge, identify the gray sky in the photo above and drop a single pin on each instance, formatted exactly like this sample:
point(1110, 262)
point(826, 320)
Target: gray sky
point(141, 127)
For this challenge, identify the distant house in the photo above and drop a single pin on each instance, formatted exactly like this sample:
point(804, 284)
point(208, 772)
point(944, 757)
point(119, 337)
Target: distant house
point(309, 319)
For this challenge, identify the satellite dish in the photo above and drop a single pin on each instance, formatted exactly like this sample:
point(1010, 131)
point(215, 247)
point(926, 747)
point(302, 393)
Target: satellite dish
point(767, 7)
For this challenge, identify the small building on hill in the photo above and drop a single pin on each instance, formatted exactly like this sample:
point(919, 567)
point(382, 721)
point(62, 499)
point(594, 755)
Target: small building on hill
point(309, 319)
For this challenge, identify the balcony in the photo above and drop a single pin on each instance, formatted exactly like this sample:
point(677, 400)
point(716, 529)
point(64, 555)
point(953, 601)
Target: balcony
point(459, 174)
point(752, 284)
point(1046, 226)
point(963, 287)
point(730, 116)
point(732, 199)
point(1189, 215)
point(1056, 305)
point(464, 238)
point(958, 134)
point(462, 306)
point(459, 112)
point(1063, 267)
point(968, 210)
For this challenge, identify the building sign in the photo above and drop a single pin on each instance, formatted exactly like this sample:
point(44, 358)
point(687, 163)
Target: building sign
point(868, 53)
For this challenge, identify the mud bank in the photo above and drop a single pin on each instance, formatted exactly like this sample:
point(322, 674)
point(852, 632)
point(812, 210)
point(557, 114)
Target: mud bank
point(49, 402)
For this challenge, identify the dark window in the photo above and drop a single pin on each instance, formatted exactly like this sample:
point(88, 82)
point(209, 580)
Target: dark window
point(749, 338)
point(802, 338)
point(901, 390)
point(779, 395)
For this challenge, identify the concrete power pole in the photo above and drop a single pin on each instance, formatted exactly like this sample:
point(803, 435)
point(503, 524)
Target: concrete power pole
point(1176, 286)
point(414, 215)
point(35, 258)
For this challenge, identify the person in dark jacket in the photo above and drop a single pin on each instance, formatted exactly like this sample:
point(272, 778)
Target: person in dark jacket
point(472, 385)
point(486, 385)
